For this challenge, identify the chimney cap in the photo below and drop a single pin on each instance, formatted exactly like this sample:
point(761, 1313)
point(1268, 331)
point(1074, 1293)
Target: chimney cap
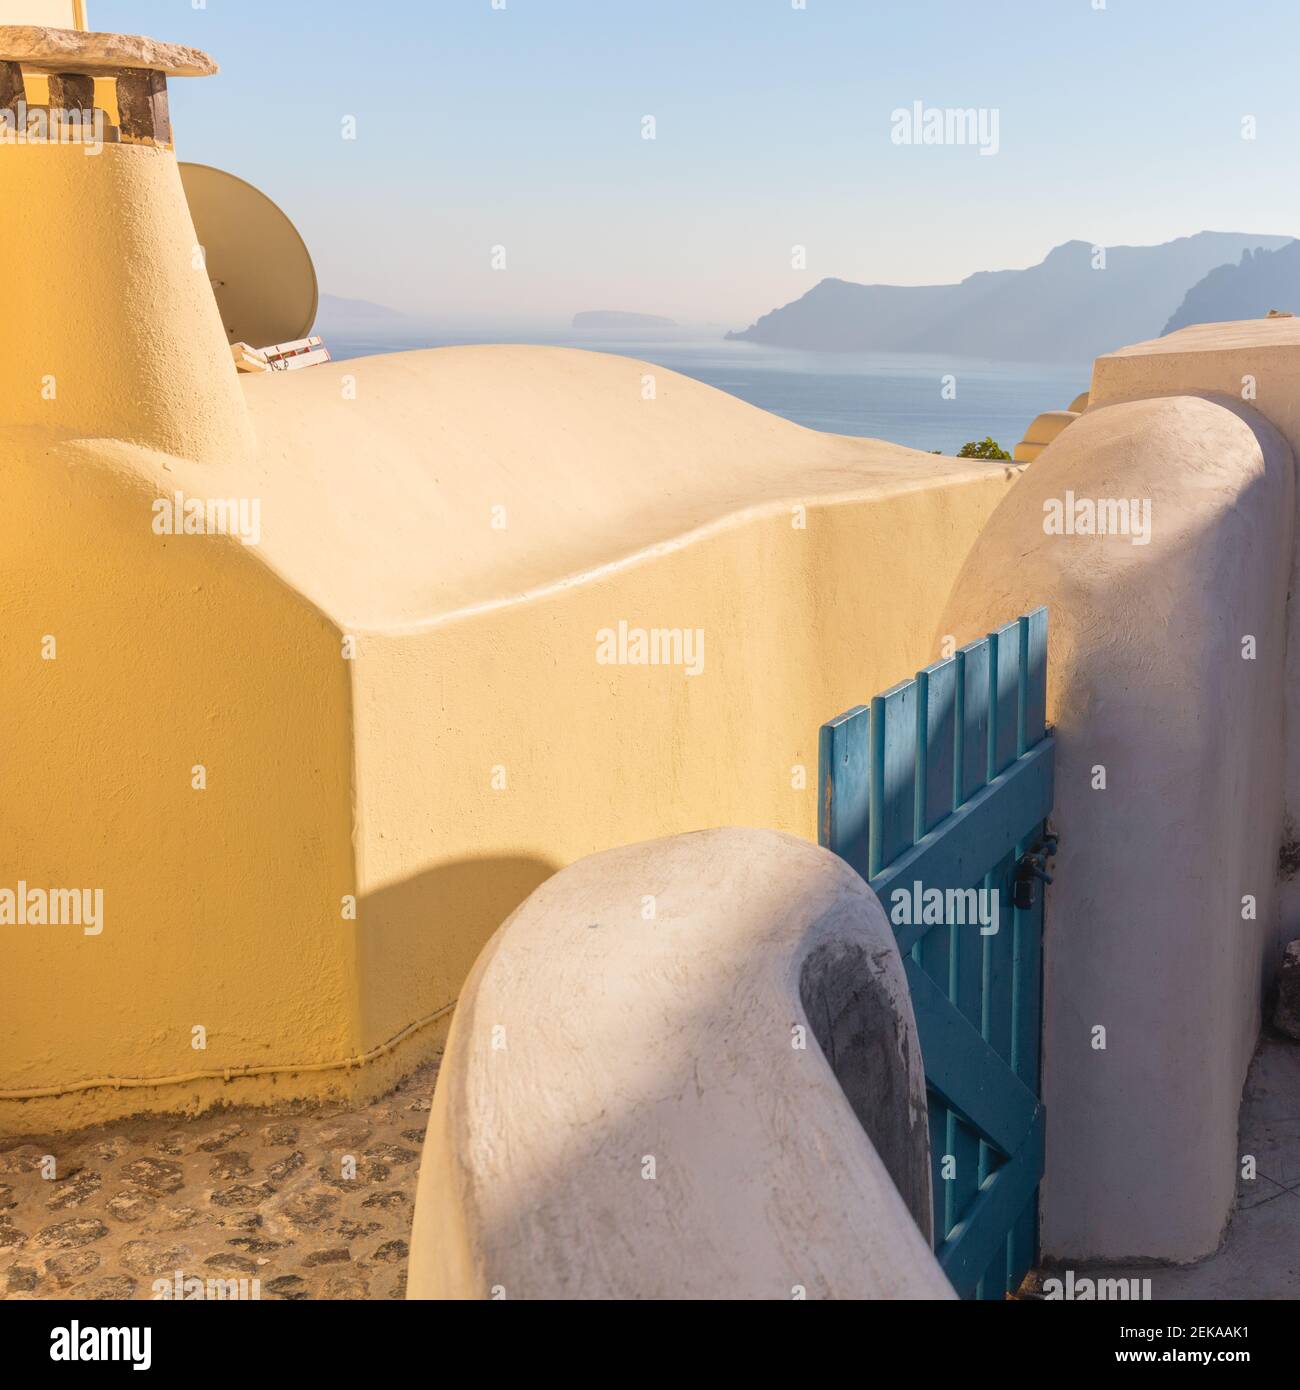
point(70, 51)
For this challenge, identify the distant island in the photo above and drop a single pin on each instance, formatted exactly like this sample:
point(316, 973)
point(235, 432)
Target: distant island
point(1260, 281)
point(1070, 307)
point(605, 319)
point(343, 317)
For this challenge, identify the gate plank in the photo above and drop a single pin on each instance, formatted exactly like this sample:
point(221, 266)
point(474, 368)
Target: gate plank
point(1004, 696)
point(965, 1072)
point(842, 815)
point(975, 730)
point(966, 990)
point(1028, 994)
point(1027, 1023)
point(978, 1237)
point(936, 689)
point(972, 717)
point(999, 964)
point(936, 780)
point(893, 773)
point(998, 1031)
point(1033, 677)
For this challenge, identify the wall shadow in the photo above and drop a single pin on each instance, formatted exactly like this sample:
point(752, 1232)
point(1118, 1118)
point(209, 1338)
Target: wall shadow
point(432, 926)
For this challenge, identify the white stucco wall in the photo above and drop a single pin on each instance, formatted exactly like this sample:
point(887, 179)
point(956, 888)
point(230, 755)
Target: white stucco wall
point(1256, 362)
point(1145, 932)
point(593, 1040)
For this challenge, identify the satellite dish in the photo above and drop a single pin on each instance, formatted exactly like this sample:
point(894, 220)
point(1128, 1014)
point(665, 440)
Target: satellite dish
point(260, 268)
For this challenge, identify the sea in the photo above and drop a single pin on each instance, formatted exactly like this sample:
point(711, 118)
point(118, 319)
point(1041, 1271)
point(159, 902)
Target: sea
point(929, 402)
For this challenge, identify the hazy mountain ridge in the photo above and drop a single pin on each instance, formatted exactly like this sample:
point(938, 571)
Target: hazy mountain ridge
point(618, 320)
point(339, 316)
point(1061, 310)
point(1260, 281)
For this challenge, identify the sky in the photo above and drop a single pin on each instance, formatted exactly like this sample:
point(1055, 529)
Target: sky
point(519, 124)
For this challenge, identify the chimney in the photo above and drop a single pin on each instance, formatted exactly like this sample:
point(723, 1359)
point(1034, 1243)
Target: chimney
point(108, 325)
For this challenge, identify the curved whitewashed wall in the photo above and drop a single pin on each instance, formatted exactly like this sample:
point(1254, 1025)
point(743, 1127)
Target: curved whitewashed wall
point(1169, 727)
point(1256, 361)
point(635, 1100)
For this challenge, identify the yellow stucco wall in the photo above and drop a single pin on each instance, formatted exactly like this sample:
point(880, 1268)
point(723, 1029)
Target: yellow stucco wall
point(118, 319)
point(332, 772)
point(799, 626)
point(57, 14)
point(221, 906)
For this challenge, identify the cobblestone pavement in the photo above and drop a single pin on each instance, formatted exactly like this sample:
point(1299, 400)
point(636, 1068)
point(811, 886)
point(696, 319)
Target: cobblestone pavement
point(266, 1195)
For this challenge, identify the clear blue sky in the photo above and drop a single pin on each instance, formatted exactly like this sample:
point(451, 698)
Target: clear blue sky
point(521, 127)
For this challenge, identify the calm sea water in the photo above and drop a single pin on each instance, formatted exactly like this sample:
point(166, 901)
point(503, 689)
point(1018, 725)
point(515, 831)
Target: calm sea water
point(883, 395)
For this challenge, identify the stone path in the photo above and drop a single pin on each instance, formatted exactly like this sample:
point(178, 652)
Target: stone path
point(312, 1202)
point(267, 1195)
point(1260, 1256)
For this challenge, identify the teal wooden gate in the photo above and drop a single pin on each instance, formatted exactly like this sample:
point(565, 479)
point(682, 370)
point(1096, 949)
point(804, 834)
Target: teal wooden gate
point(945, 783)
